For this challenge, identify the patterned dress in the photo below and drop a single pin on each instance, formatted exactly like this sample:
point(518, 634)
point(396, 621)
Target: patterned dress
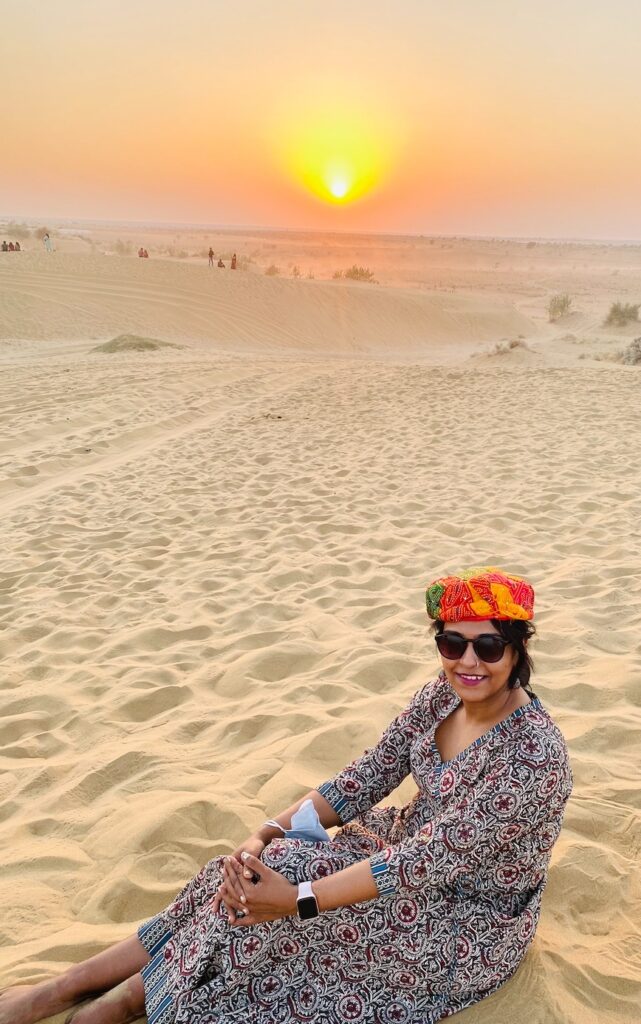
point(460, 871)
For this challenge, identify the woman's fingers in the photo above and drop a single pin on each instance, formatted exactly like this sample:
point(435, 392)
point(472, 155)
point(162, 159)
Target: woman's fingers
point(232, 878)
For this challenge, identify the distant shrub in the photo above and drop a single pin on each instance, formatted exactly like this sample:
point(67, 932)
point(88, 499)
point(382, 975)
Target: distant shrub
point(133, 343)
point(296, 271)
point(359, 274)
point(632, 354)
point(310, 275)
point(41, 232)
point(123, 248)
point(355, 274)
point(15, 230)
point(558, 306)
point(272, 270)
point(176, 253)
point(622, 313)
point(503, 347)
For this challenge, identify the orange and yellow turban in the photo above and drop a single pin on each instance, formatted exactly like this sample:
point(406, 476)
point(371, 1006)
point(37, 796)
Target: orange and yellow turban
point(480, 593)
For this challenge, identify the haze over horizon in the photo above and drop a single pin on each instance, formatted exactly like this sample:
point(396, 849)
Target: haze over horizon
point(409, 119)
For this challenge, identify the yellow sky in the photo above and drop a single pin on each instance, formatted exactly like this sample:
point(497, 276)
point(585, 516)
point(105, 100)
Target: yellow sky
point(470, 117)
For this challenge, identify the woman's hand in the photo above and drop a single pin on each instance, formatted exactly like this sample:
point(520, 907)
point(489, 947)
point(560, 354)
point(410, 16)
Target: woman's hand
point(255, 847)
point(253, 892)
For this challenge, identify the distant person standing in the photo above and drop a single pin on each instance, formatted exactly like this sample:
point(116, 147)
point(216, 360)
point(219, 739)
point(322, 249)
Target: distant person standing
point(48, 243)
point(233, 262)
point(211, 256)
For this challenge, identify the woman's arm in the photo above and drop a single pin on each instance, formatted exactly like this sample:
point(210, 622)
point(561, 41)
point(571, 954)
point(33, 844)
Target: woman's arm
point(326, 813)
point(381, 768)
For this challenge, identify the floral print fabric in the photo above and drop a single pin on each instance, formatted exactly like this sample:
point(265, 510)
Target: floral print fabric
point(460, 871)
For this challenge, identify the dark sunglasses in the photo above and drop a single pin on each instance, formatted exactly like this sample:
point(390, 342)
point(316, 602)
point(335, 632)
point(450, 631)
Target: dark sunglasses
point(487, 647)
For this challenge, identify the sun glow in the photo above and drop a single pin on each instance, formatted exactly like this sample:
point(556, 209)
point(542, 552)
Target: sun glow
point(337, 154)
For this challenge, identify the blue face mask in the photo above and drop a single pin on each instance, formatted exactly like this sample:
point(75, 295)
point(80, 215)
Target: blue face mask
point(305, 825)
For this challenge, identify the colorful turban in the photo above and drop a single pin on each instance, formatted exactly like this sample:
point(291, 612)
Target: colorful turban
point(484, 593)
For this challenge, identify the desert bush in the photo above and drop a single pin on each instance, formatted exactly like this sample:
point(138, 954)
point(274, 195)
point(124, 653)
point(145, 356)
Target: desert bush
point(15, 230)
point(558, 306)
point(310, 275)
point(296, 271)
point(354, 274)
point(133, 343)
point(622, 313)
point(503, 347)
point(272, 270)
point(359, 274)
point(41, 232)
point(632, 354)
point(123, 248)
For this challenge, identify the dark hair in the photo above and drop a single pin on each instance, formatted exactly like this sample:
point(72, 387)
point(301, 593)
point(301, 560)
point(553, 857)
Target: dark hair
point(517, 632)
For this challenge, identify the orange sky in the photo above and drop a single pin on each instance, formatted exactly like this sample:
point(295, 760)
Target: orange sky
point(471, 117)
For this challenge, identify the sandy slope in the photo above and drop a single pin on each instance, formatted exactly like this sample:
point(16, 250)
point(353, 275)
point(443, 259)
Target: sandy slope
point(75, 297)
point(211, 591)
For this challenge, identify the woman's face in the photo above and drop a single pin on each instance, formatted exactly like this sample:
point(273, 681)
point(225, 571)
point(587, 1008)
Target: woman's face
point(473, 680)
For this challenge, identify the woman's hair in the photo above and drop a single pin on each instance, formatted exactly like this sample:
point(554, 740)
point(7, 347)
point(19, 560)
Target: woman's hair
point(517, 632)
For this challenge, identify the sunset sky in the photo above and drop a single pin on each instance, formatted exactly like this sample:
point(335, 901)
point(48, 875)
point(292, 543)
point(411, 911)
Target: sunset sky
point(474, 117)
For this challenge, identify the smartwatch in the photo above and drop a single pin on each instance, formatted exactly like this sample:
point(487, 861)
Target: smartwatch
point(306, 901)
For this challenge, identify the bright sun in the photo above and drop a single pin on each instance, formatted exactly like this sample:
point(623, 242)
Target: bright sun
point(339, 189)
point(336, 156)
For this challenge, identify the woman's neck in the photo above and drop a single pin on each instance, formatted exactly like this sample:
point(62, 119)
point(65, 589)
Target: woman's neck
point(495, 708)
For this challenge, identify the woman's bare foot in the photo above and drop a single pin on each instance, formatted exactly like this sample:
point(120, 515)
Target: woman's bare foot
point(26, 1004)
point(124, 1003)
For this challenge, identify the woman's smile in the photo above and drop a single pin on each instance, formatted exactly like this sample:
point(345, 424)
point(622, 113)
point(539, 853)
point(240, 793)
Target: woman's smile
point(471, 680)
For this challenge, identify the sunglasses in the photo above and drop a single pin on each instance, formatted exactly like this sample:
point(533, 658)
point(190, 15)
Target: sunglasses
point(488, 647)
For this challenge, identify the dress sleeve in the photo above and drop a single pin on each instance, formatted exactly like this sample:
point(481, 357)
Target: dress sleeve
point(382, 768)
point(499, 835)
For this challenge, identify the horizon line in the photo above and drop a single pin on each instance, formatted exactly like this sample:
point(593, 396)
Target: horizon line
point(273, 229)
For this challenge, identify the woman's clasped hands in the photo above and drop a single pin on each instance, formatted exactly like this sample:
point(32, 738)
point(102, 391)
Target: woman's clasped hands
point(251, 892)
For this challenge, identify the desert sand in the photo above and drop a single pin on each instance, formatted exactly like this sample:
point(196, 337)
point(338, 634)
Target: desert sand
point(214, 553)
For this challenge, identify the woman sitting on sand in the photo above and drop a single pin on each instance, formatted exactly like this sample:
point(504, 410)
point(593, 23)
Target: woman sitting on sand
point(404, 915)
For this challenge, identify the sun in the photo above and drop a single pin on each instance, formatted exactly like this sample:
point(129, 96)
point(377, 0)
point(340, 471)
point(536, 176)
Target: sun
point(339, 188)
point(335, 155)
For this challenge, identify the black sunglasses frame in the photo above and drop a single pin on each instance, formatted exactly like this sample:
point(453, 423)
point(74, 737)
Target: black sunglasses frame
point(450, 635)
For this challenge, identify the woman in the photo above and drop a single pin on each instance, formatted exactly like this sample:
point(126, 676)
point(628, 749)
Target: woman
point(411, 914)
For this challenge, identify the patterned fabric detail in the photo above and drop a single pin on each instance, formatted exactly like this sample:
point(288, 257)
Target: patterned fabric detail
point(460, 871)
point(380, 871)
point(158, 1001)
point(153, 935)
point(484, 593)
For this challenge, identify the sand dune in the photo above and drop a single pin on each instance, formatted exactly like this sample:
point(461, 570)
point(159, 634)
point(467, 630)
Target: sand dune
point(75, 297)
point(211, 586)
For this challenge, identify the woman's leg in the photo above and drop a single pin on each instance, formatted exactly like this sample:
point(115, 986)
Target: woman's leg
point(124, 1003)
point(28, 1004)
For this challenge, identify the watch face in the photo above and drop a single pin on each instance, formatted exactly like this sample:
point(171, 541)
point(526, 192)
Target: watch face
point(307, 907)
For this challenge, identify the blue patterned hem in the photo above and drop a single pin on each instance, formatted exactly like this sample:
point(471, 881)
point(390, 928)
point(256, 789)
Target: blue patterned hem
point(337, 802)
point(159, 1004)
point(382, 875)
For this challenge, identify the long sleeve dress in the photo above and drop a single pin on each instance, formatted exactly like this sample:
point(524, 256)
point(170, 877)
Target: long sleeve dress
point(460, 871)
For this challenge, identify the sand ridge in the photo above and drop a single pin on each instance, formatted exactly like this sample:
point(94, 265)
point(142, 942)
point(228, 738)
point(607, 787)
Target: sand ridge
point(72, 296)
point(211, 597)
